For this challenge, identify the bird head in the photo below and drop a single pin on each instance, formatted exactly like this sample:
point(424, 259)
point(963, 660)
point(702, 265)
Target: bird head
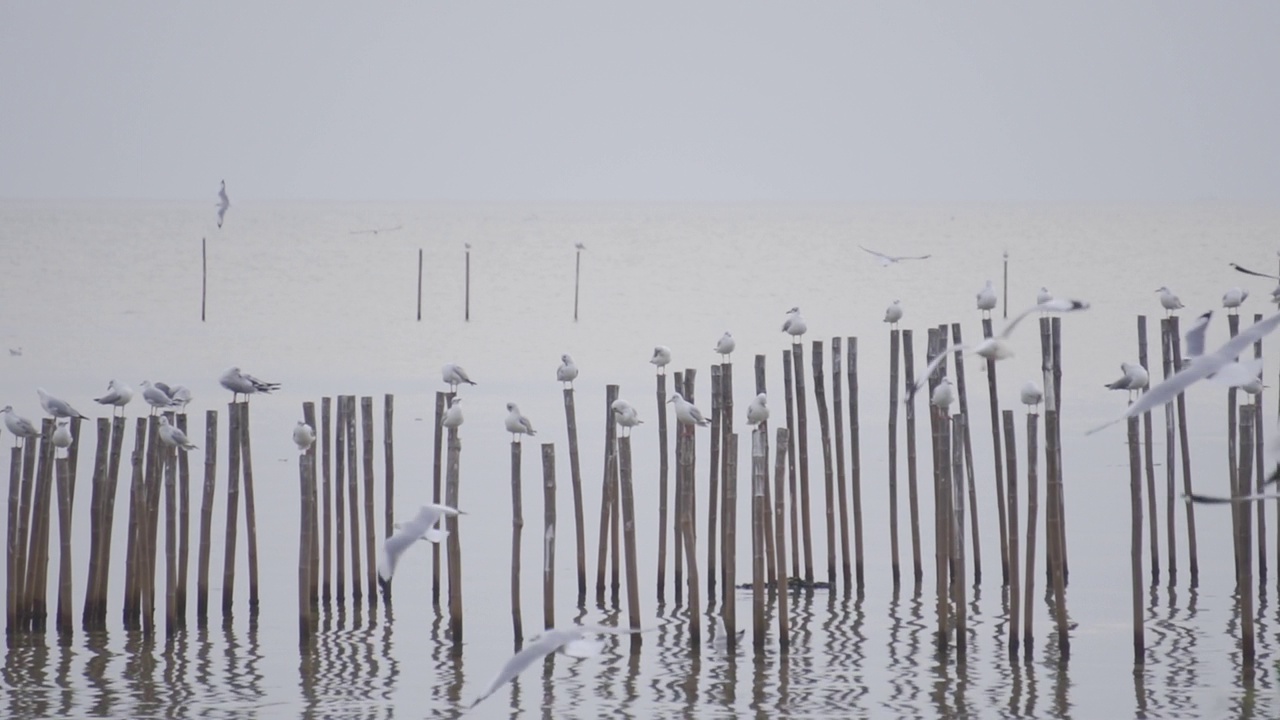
point(511, 407)
point(566, 359)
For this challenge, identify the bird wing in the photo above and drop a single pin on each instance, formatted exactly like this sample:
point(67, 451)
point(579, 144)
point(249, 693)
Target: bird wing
point(1237, 268)
point(400, 541)
point(1236, 345)
point(544, 645)
point(884, 259)
point(1235, 374)
point(1214, 500)
point(928, 370)
point(1059, 305)
point(1195, 335)
point(528, 426)
point(786, 325)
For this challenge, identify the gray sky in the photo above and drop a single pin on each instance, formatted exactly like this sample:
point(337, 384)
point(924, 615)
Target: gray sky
point(652, 101)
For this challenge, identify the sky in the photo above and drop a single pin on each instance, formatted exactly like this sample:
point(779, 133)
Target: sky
point(844, 102)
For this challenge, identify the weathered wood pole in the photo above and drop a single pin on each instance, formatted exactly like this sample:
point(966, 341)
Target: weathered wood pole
point(608, 493)
point(419, 284)
point(792, 483)
point(686, 515)
point(152, 482)
point(828, 470)
point(729, 507)
point(627, 493)
point(204, 276)
point(968, 457)
point(313, 504)
point(759, 481)
point(388, 463)
point(96, 540)
point(1054, 529)
point(370, 533)
point(729, 609)
point(1233, 481)
point(453, 541)
point(250, 512)
point(663, 494)
point(442, 401)
point(170, 540)
point(304, 549)
point(677, 526)
point(1245, 540)
point(1002, 510)
point(137, 509)
point(690, 377)
point(1135, 542)
point(326, 498)
point(13, 557)
point(1170, 462)
point(1011, 461)
point(339, 498)
point(1184, 444)
point(103, 551)
point(517, 527)
point(206, 516)
point(958, 577)
point(1060, 500)
point(353, 497)
point(184, 529)
point(942, 517)
point(1004, 305)
point(575, 476)
point(715, 494)
point(913, 486)
point(577, 274)
point(842, 489)
point(233, 509)
point(1033, 509)
point(780, 538)
point(770, 556)
point(62, 471)
point(894, 341)
point(855, 460)
point(1260, 469)
point(466, 312)
point(37, 607)
point(802, 431)
point(1150, 468)
point(548, 535)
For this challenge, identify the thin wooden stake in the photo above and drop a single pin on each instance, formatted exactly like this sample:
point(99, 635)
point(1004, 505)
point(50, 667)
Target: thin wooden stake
point(792, 484)
point(419, 284)
point(686, 516)
point(1002, 510)
point(1135, 542)
point(442, 401)
point(132, 569)
point(968, 457)
point(715, 495)
point(577, 274)
point(1175, 342)
point(759, 481)
point(608, 494)
point(894, 340)
point(1011, 460)
point(1053, 529)
point(370, 553)
point(353, 497)
point(466, 313)
point(958, 577)
point(313, 508)
point(454, 542)
point(326, 495)
point(913, 488)
point(1033, 509)
point(855, 460)
point(802, 430)
point(627, 493)
point(828, 471)
point(233, 509)
point(663, 494)
point(63, 473)
point(575, 477)
point(250, 513)
point(304, 550)
point(729, 611)
point(677, 527)
point(339, 499)
point(184, 529)
point(13, 558)
point(206, 515)
point(204, 276)
point(1245, 540)
point(1149, 466)
point(780, 535)
point(517, 527)
point(769, 550)
point(1170, 461)
point(548, 535)
point(97, 541)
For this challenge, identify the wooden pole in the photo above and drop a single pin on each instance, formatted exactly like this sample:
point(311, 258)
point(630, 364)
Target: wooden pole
point(38, 549)
point(1149, 466)
point(339, 497)
point(1175, 342)
point(802, 430)
point(842, 490)
point(1135, 542)
point(770, 556)
point(792, 484)
point(686, 516)
point(1011, 460)
point(729, 611)
point(1260, 469)
point(855, 460)
point(1053, 529)
point(370, 559)
point(1033, 509)
point(968, 457)
point(1233, 482)
point(913, 488)
point(12, 560)
point(1059, 500)
point(454, 542)
point(304, 550)
point(729, 507)
point(108, 521)
point(63, 473)
point(1170, 460)
point(97, 540)
point(677, 526)
point(204, 276)
point(326, 495)
point(388, 464)
point(250, 514)
point(943, 518)
point(627, 492)
point(575, 475)
point(1245, 540)
point(206, 515)
point(184, 529)
point(689, 379)
point(1002, 510)
point(137, 497)
point(353, 498)
point(467, 301)
point(828, 472)
point(548, 535)
point(715, 493)
point(958, 577)
point(170, 541)
point(663, 494)
point(517, 526)
point(577, 273)
point(1004, 306)
point(780, 541)
point(442, 401)
point(608, 495)
point(26, 521)
point(233, 508)
point(313, 509)
point(759, 481)
point(419, 284)
point(894, 341)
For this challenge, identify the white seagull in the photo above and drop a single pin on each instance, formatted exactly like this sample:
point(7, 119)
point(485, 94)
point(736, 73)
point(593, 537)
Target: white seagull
point(943, 395)
point(625, 415)
point(117, 396)
point(155, 396)
point(453, 415)
point(794, 324)
point(572, 642)
point(725, 345)
point(303, 436)
point(55, 407)
point(757, 410)
point(997, 346)
point(686, 412)
point(1168, 300)
point(242, 383)
point(180, 396)
point(171, 435)
point(579, 246)
point(1201, 367)
point(1234, 298)
point(421, 527)
point(893, 313)
point(1043, 296)
point(887, 260)
point(987, 298)
point(1275, 294)
point(517, 424)
point(18, 425)
point(454, 375)
point(62, 434)
point(1031, 395)
point(223, 202)
point(661, 357)
point(1135, 378)
point(567, 370)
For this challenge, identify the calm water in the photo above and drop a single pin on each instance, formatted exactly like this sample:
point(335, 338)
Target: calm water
point(95, 291)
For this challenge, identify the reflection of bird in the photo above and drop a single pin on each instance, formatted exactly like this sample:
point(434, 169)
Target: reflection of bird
point(1168, 300)
point(887, 260)
point(453, 416)
point(661, 357)
point(117, 396)
point(56, 407)
point(1135, 378)
point(893, 313)
point(686, 412)
point(794, 325)
point(726, 345)
point(421, 527)
point(454, 375)
point(987, 297)
point(18, 425)
point(375, 231)
point(171, 435)
point(1031, 395)
point(567, 370)
point(625, 415)
point(303, 436)
point(223, 202)
point(1234, 298)
point(757, 410)
point(572, 642)
point(516, 423)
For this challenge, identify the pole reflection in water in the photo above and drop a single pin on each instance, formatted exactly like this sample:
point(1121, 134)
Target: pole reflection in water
point(96, 673)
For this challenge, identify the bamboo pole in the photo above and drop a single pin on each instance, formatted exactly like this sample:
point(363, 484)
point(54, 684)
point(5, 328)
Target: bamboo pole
point(894, 341)
point(1011, 460)
point(1233, 481)
point(608, 494)
point(1170, 460)
point(770, 556)
point(1033, 509)
point(1150, 468)
point(1053, 529)
point(97, 500)
point(1245, 541)
point(370, 559)
point(313, 514)
point(304, 550)
point(730, 506)
point(12, 561)
point(25, 526)
point(729, 610)
point(677, 519)
point(388, 463)
point(1175, 342)
point(913, 488)
point(1260, 469)
point(1135, 542)
point(339, 497)
point(759, 481)
point(629, 540)
point(62, 470)
point(548, 535)
point(575, 473)
point(802, 430)
point(958, 577)
point(466, 312)
point(1002, 510)
point(942, 515)
point(233, 507)
point(1060, 499)
point(419, 284)
point(663, 494)
point(152, 482)
point(184, 530)
point(206, 515)
point(353, 497)
point(968, 457)
point(170, 540)
point(686, 517)
point(691, 494)
point(442, 401)
point(842, 490)
point(108, 521)
point(517, 526)
point(250, 514)
point(204, 276)
point(326, 495)
point(792, 484)
point(828, 471)
point(715, 491)
point(855, 460)
point(780, 543)
point(454, 542)
point(36, 606)
point(132, 571)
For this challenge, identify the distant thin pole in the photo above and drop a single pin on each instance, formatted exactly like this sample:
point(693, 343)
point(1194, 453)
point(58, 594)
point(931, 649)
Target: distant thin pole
point(1004, 306)
point(467, 307)
point(204, 276)
point(577, 273)
point(419, 284)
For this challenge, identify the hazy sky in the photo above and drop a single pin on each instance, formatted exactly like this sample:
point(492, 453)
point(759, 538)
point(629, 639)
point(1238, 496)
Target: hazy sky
point(645, 101)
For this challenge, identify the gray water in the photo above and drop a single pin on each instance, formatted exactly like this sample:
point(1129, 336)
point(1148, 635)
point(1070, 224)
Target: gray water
point(95, 291)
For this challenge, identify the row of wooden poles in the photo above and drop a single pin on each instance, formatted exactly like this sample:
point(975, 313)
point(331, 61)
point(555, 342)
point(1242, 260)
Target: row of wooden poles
point(1246, 474)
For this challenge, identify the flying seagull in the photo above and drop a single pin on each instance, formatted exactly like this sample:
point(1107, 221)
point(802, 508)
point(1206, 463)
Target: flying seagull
point(887, 260)
point(223, 202)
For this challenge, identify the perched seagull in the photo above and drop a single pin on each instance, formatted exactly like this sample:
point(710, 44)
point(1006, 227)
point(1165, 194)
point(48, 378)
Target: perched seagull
point(18, 425)
point(794, 324)
point(661, 357)
point(421, 527)
point(1168, 300)
point(567, 370)
point(454, 376)
point(155, 396)
point(987, 298)
point(625, 415)
point(1043, 296)
point(1275, 294)
point(57, 408)
point(1234, 297)
point(893, 313)
point(62, 434)
point(117, 395)
point(572, 642)
point(997, 347)
point(943, 395)
point(887, 260)
point(15, 352)
point(580, 246)
point(180, 396)
point(686, 412)
point(1031, 395)
point(375, 231)
point(171, 435)
point(165, 388)
point(303, 436)
point(242, 383)
point(726, 345)
point(517, 424)
point(1135, 378)
point(223, 202)
point(1201, 367)
point(453, 416)
point(1254, 386)
point(757, 410)
point(466, 246)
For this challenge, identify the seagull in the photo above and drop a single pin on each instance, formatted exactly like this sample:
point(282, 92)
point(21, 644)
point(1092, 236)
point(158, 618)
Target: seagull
point(223, 202)
point(1201, 367)
point(117, 395)
point(57, 408)
point(1135, 378)
point(454, 376)
point(726, 345)
point(171, 435)
point(572, 642)
point(1168, 300)
point(1194, 338)
point(1275, 294)
point(180, 396)
point(18, 425)
point(1234, 297)
point(375, 231)
point(62, 435)
point(1031, 395)
point(1254, 386)
point(155, 396)
point(757, 410)
point(580, 246)
point(997, 347)
point(165, 387)
point(421, 527)
point(517, 424)
point(625, 415)
point(893, 314)
point(466, 246)
point(453, 416)
point(241, 383)
point(987, 299)
point(794, 325)
point(943, 395)
point(1043, 296)
point(887, 260)
point(661, 356)
point(567, 370)
point(15, 352)
point(686, 412)
point(303, 436)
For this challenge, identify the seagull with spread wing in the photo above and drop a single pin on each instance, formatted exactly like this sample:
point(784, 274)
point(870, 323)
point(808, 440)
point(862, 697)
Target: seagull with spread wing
point(887, 260)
